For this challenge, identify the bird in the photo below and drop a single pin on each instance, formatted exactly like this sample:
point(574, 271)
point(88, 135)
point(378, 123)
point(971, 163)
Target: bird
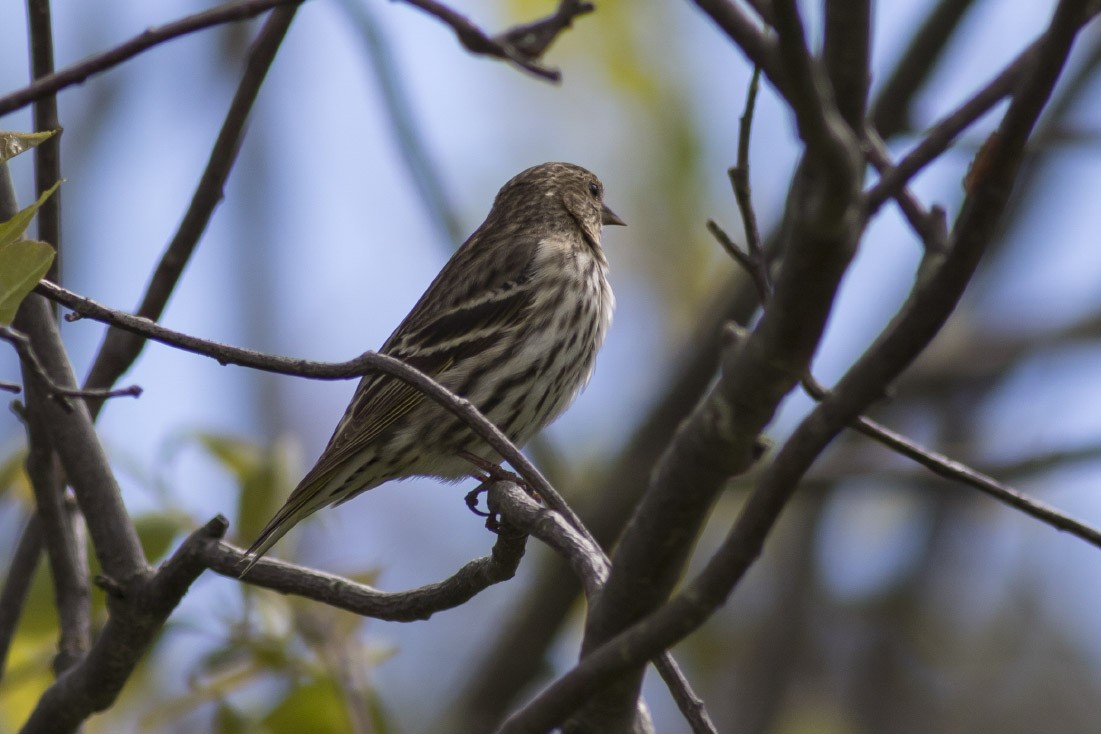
point(512, 323)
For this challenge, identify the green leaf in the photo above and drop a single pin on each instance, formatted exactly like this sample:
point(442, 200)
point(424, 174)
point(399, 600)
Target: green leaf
point(13, 229)
point(22, 265)
point(316, 707)
point(12, 144)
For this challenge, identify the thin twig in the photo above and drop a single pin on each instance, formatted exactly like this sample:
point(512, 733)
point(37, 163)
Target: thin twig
point(120, 348)
point(944, 132)
point(931, 225)
point(744, 259)
point(889, 114)
point(365, 363)
point(957, 471)
point(756, 263)
point(57, 392)
point(523, 45)
point(79, 72)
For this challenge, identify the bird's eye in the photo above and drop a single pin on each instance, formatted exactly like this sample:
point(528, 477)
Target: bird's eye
point(594, 189)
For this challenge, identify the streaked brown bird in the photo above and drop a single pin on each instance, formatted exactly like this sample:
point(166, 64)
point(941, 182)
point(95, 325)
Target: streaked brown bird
point(512, 323)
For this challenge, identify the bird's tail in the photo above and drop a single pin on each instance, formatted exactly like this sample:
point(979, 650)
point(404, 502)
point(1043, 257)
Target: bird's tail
point(300, 505)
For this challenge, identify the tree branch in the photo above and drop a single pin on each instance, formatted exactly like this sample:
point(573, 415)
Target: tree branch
point(86, 466)
point(523, 45)
point(929, 306)
point(720, 438)
point(405, 606)
point(890, 114)
point(61, 531)
point(120, 348)
point(77, 73)
point(503, 673)
point(591, 566)
point(94, 683)
point(943, 133)
point(25, 350)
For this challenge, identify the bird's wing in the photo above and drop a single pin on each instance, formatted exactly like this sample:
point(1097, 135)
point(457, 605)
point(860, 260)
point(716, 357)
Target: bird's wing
point(463, 331)
point(463, 312)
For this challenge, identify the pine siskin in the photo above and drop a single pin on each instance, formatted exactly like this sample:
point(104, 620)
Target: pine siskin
point(512, 323)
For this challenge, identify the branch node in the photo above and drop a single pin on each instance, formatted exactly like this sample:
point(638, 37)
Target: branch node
point(109, 585)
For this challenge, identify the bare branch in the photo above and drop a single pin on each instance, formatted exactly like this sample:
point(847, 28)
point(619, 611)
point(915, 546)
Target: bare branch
point(86, 466)
point(523, 45)
point(930, 225)
point(957, 471)
point(405, 606)
point(61, 531)
point(520, 511)
point(943, 133)
point(47, 156)
point(591, 566)
point(58, 392)
point(93, 684)
point(748, 34)
point(890, 112)
point(120, 348)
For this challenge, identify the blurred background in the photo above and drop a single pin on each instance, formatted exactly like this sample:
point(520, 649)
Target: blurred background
point(886, 601)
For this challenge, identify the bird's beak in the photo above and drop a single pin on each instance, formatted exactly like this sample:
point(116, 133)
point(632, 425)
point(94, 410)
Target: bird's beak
point(607, 216)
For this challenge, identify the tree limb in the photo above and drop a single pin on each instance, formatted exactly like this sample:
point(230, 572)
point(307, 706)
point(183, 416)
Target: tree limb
point(929, 306)
point(404, 606)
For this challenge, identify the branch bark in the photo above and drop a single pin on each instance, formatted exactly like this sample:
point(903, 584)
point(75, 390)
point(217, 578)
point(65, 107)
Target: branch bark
point(720, 438)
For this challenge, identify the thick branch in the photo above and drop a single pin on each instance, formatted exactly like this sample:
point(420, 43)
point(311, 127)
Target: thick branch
point(719, 439)
point(930, 305)
point(61, 530)
point(94, 684)
point(85, 462)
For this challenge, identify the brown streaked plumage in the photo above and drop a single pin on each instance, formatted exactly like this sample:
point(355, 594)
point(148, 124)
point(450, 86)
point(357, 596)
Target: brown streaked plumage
point(512, 323)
